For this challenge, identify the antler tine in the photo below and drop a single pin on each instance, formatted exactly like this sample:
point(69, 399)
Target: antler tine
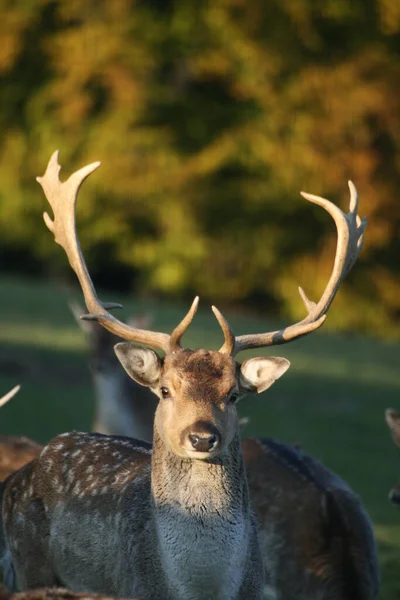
point(229, 344)
point(9, 395)
point(180, 329)
point(62, 198)
point(350, 235)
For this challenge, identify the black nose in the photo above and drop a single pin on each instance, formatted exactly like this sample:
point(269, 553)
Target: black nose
point(203, 442)
point(394, 497)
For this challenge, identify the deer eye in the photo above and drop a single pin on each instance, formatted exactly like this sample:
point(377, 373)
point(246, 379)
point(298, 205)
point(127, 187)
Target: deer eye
point(165, 393)
point(233, 398)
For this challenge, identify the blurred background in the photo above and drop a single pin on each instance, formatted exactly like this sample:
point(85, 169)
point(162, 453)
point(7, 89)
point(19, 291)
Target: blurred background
point(209, 118)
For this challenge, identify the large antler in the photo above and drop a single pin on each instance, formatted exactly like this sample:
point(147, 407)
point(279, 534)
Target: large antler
point(62, 198)
point(350, 232)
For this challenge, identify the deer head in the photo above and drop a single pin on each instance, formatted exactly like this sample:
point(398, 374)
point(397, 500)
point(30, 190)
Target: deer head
point(196, 415)
point(198, 389)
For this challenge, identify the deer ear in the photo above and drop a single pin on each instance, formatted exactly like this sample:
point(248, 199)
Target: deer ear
point(142, 364)
point(393, 421)
point(258, 374)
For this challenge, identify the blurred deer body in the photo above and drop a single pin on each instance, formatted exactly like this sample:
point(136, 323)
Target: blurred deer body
point(316, 538)
point(97, 512)
point(129, 413)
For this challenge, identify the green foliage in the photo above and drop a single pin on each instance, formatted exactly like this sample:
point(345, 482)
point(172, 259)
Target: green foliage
point(209, 117)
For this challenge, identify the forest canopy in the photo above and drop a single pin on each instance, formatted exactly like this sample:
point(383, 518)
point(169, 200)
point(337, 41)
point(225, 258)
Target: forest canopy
point(209, 118)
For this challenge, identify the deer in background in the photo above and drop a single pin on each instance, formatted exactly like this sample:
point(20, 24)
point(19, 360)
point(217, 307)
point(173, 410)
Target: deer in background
point(176, 524)
point(122, 406)
point(393, 421)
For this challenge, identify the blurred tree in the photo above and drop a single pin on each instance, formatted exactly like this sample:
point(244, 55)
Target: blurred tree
point(209, 117)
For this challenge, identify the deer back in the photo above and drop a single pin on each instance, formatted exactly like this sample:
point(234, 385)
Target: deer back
point(315, 535)
point(80, 487)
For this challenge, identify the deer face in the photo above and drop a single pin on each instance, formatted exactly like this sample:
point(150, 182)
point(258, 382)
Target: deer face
point(196, 416)
point(393, 421)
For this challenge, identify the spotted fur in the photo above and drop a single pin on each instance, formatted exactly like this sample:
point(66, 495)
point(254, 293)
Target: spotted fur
point(109, 515)
point(288, 489)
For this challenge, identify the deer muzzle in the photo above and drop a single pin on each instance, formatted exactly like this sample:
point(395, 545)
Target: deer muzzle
point(202, 438)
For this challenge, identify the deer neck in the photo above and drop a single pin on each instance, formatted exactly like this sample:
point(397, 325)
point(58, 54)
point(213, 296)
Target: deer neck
point(215, 485)
point(202, 519)
point(122, 408)
point(112, 416)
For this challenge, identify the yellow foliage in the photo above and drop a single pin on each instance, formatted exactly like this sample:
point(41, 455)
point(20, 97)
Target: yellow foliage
point(209, 117)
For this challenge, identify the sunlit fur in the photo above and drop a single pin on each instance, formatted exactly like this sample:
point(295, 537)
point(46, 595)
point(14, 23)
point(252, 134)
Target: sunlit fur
point(200, 385)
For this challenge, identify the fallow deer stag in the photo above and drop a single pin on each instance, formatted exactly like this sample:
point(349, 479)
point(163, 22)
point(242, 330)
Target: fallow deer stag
point(319, 522)
point(99, 513)
point(393, 421)
point(15, 450)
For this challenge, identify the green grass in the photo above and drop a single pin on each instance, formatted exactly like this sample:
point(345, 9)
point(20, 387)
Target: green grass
point(331, 401)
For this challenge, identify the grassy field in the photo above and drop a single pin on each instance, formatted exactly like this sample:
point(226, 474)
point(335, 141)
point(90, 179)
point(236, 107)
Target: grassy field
point(331, 401)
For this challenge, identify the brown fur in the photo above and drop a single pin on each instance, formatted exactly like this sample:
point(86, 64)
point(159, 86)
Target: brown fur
point(15, 451)
point(199, 383)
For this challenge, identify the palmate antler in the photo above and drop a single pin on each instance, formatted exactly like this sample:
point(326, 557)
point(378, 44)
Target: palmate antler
point(62, 198)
